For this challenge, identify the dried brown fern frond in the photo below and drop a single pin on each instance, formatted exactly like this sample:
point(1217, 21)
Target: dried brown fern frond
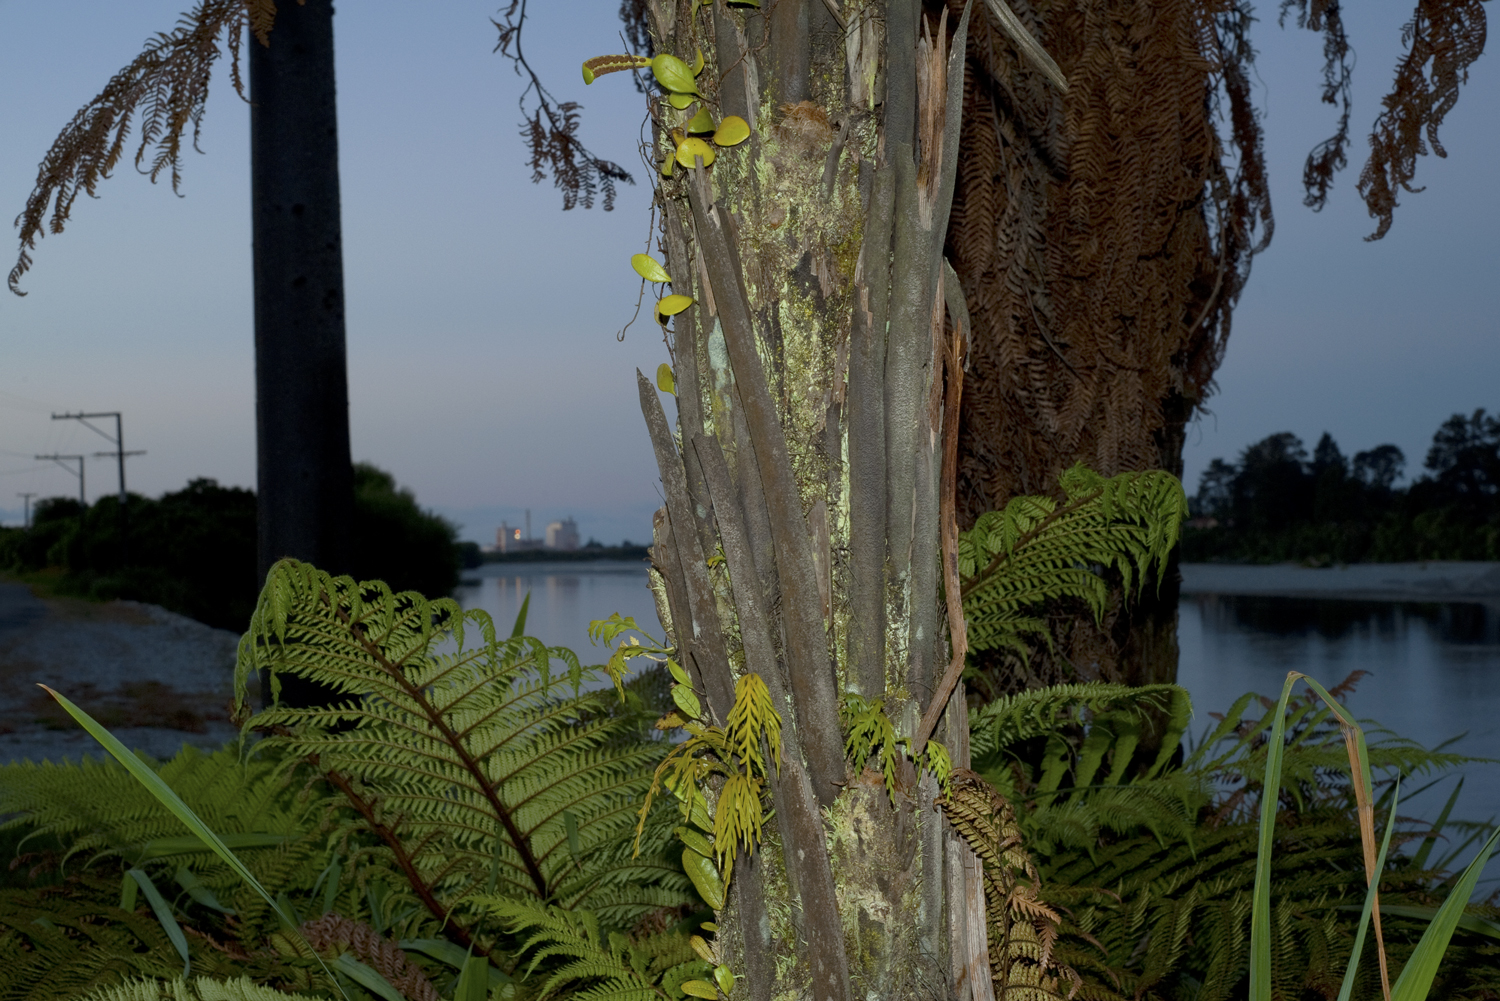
point(1103, 237)
point(167, 85)
point(334, 933)
point(550, 126)
point(1443, 38)
point(1022, 929)
point(1328, 157)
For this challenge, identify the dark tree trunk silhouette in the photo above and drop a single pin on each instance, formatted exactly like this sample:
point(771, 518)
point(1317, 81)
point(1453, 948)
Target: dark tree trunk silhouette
point(303, 470)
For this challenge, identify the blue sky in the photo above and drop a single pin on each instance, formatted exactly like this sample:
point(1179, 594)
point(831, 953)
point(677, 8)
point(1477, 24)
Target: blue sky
point(484, 371)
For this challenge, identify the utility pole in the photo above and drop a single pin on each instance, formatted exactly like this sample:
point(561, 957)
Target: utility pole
point(26, 508)
point(118, 440)
point(59, 460)
point(122, 456)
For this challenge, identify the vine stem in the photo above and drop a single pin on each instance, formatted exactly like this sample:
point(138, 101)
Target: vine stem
point(948, 515)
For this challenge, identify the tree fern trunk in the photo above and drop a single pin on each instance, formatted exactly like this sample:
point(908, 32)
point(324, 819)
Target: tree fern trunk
point(1103, 236)
point(305, 495)
point(808, 454)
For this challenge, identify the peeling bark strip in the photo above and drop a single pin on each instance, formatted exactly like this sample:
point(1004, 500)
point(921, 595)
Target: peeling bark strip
point(806, 639)
point(708, 649)
point(817, 418)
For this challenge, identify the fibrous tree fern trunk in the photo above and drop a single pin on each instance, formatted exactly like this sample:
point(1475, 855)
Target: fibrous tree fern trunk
point(1102, 235)
point(817, 383)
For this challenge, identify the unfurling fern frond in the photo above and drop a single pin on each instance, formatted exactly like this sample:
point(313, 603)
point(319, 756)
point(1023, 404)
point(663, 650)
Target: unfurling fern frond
point(477, 765)
point(1038, 550)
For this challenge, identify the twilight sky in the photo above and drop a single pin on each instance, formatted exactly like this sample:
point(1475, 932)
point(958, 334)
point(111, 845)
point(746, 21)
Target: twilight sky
point(483, 368)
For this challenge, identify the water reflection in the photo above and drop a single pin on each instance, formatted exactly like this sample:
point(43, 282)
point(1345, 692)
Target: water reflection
point(564, 598)
point(1434, 668)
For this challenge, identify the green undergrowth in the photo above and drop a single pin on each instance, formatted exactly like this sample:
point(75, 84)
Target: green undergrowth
point(1153, 859)
point(465, 820)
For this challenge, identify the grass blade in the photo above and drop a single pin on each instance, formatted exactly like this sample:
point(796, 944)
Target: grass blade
point(473, 982)
point(1468, 922)
point(163, 912)
point(519, 629)
point(168, 797)
point(367, 977)
point(1371, 898)
point(1420, 859)
point(189, 844)
point(1364, 796)
point(164, 793)
point(1260, 906)
point(447, 952)
point(1420, 970)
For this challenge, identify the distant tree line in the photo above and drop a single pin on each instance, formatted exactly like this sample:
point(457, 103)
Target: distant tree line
point(1276, 504)
point(193, 551)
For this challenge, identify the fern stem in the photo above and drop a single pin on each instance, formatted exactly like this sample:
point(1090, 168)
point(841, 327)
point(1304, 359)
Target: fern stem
point(518, 840)
point(365, 809)
point(980, 578)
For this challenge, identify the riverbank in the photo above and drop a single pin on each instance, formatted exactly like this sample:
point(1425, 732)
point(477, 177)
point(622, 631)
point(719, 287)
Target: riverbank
point(1431, 581)
point(159, 679)
point(155, 678)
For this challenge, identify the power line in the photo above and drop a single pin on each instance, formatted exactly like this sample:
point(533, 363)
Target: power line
point(59, 460)
point(118, 440)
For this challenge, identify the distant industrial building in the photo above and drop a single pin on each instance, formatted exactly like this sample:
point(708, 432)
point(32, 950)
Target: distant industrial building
point(559, 535)
point(563, 535)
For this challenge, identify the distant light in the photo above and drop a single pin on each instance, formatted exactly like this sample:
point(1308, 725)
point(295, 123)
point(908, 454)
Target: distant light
point(518, 533)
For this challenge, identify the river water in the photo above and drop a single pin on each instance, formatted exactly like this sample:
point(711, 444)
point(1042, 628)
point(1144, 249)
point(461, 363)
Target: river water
point(1434, 668)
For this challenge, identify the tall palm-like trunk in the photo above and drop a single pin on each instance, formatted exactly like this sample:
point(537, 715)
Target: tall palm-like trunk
point(809, 452)
point(304, 475)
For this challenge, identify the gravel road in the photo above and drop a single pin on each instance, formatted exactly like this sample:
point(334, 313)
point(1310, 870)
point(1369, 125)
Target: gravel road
point(155, 678)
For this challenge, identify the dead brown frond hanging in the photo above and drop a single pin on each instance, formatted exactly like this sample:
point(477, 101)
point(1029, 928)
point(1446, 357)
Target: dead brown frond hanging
point(1102, 235)
point(550, 127)
point(167, 84)
point(1442, 39)
point(1328, 157)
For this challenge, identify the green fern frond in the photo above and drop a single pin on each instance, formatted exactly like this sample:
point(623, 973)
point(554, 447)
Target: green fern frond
point(587, 962)
point(199, 989)
point(1153, 862)
point(1038, 712)
point(868, 732)
point(95, 807)
point(753, 719)
point(1038, 550)
point(65, 940)
point(476, 764)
